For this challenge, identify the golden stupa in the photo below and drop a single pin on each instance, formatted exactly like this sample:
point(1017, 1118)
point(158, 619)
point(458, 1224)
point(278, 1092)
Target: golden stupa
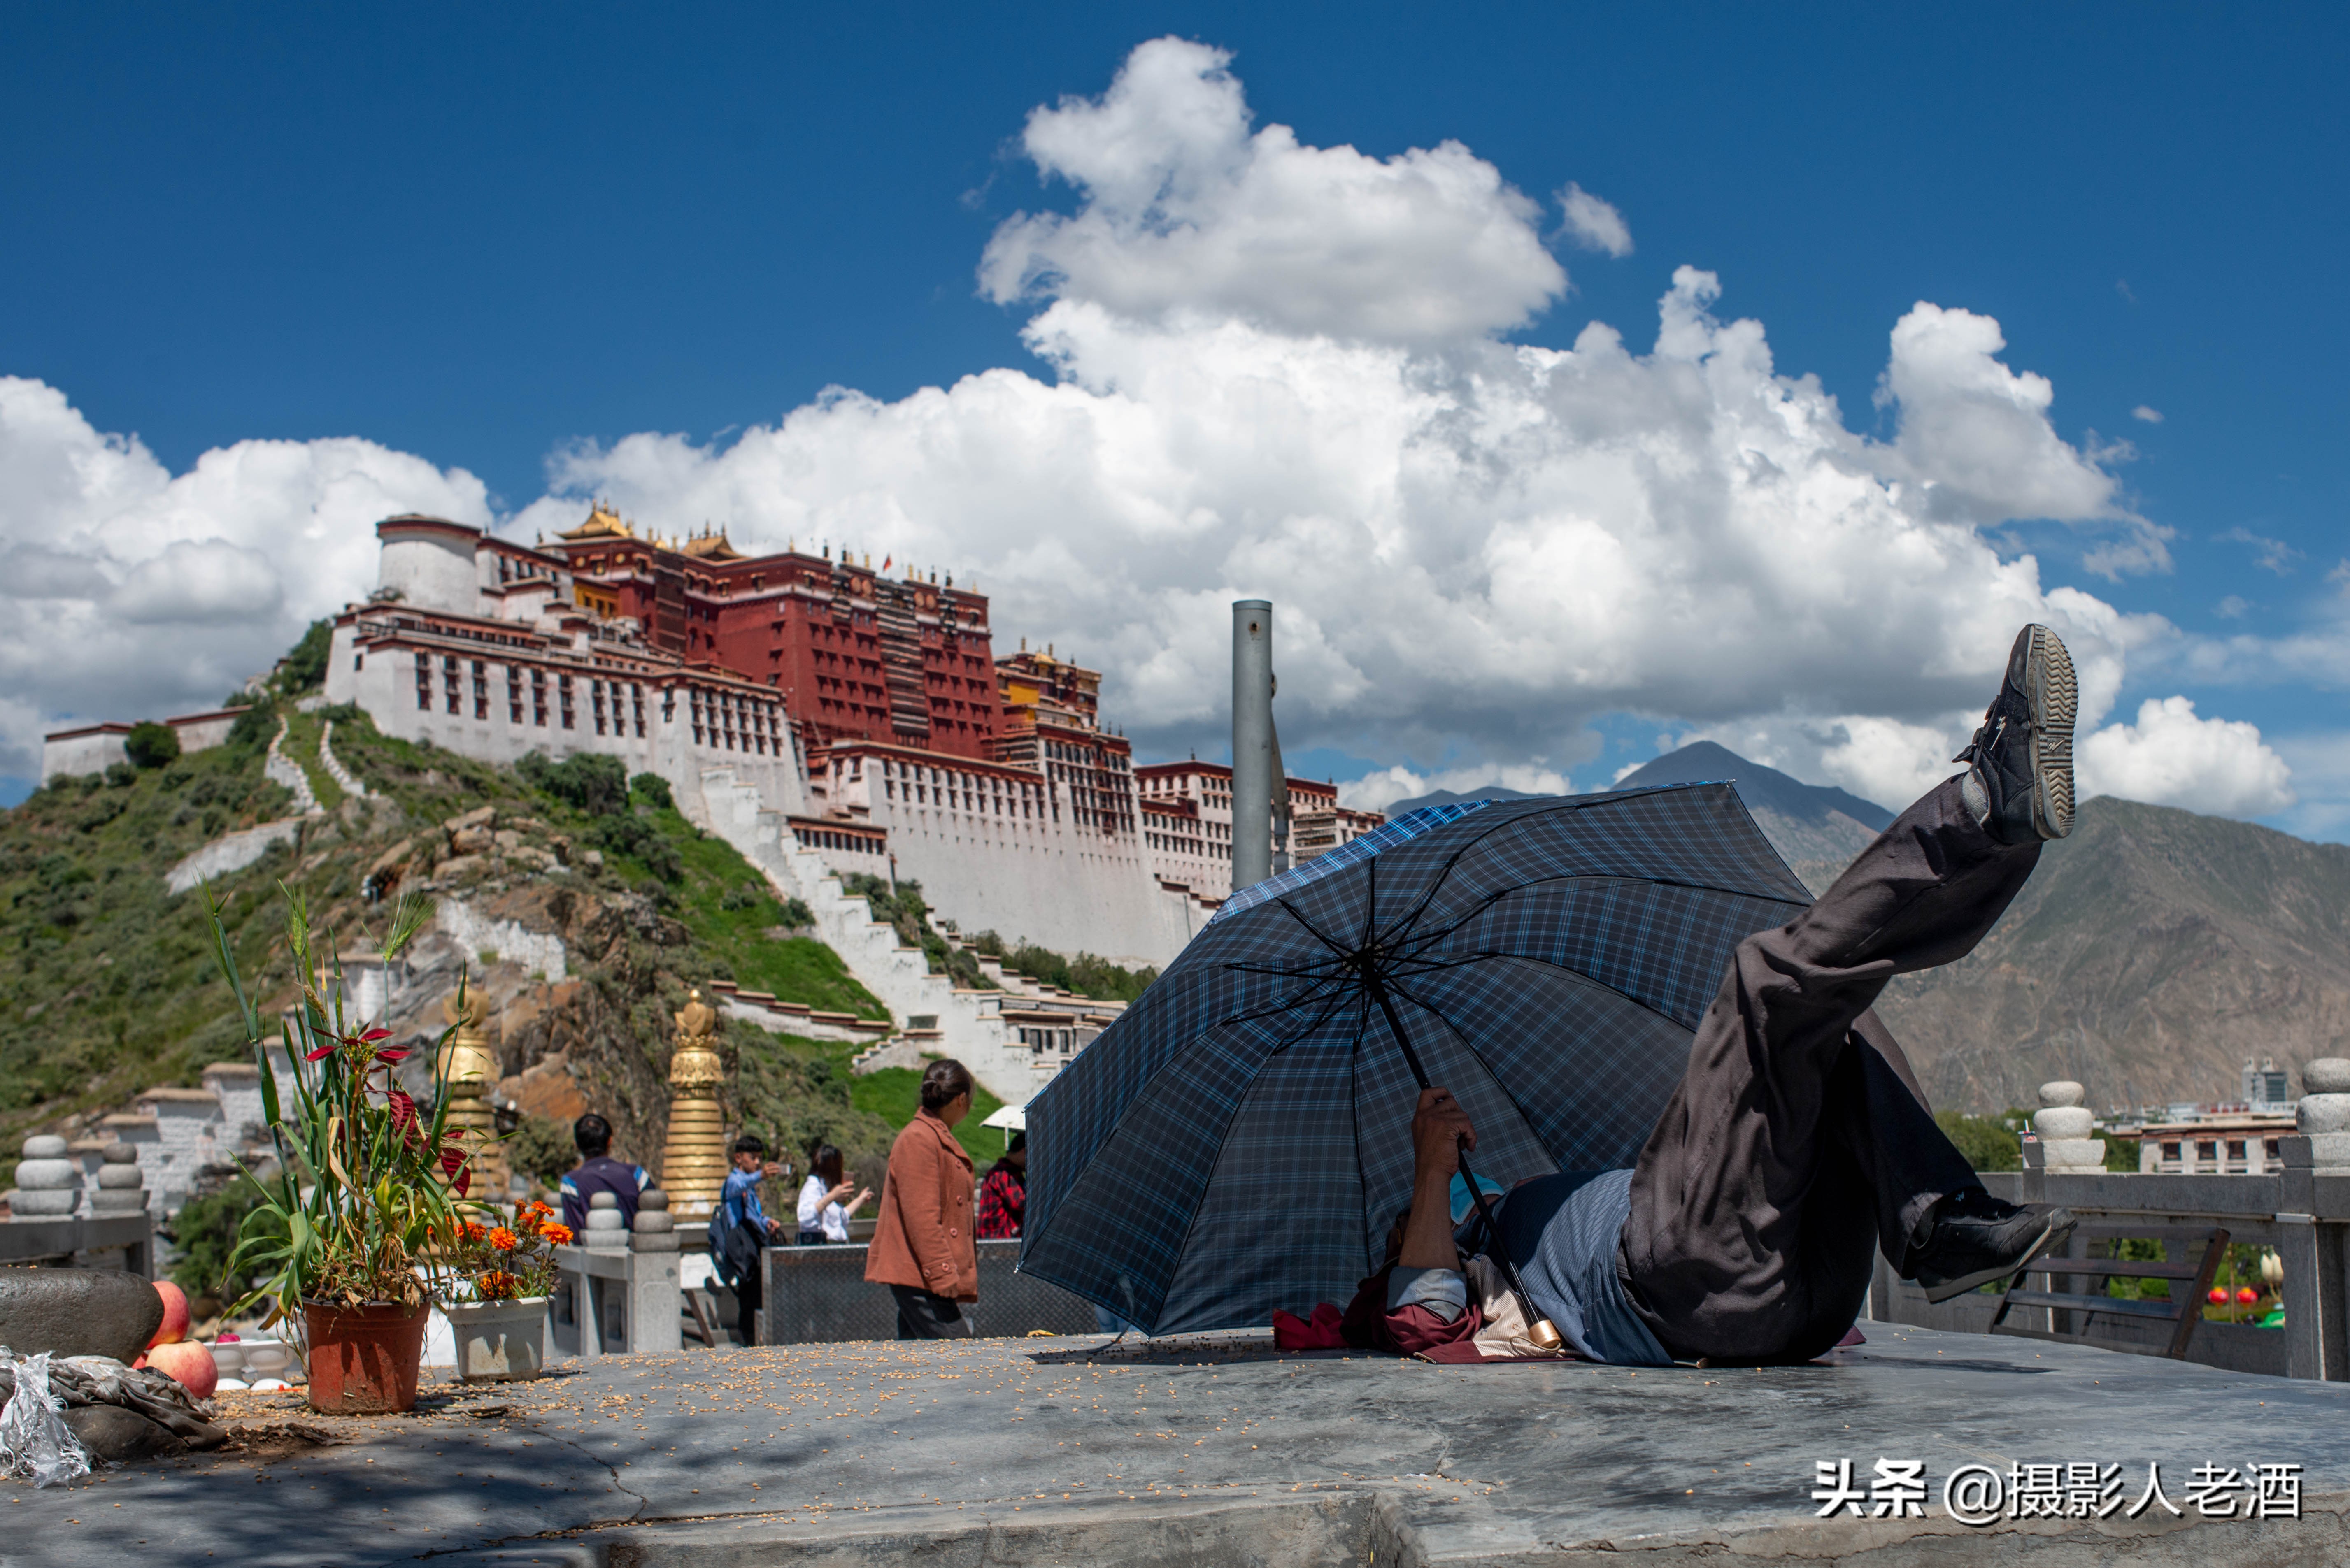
point(694, 1161)
point(468, 1066)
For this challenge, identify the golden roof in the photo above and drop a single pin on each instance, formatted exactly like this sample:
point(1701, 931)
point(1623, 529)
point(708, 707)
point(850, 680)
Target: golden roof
point(709, 547)
point(603, 522)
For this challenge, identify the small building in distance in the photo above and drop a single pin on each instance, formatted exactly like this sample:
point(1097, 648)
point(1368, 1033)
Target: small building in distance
point(1187, 813)
point(2230, 1138)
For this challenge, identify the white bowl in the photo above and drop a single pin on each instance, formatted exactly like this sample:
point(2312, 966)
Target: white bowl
point(267, 1357)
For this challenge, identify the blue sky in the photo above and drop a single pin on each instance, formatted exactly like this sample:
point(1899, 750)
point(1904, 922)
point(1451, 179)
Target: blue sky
point(481, 241)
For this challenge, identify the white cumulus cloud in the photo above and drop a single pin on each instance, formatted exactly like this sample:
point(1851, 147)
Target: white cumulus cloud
point(1593, 224)
point(1268, 370)
point(1185, 208)
point(2172, 757)
point(2150, 415)
point(1377, 790)
point(135, 593)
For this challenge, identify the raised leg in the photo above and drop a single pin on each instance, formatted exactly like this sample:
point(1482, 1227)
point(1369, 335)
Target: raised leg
point(1797, 1144)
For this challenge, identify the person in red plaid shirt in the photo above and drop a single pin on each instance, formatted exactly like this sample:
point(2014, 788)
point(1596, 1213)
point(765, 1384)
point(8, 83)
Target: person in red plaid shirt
point(1004, 1194)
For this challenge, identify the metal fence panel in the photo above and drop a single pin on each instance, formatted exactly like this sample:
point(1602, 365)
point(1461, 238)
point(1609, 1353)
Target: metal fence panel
point(819, 1295)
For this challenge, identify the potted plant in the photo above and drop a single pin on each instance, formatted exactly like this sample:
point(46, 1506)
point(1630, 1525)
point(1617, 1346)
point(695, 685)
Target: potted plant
point(351, 1232)
point(503, 1273)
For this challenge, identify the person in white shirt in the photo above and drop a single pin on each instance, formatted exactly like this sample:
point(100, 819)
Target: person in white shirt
point(823, 1217)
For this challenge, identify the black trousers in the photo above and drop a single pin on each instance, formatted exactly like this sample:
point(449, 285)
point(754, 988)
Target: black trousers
point(1798, 1144)
point(750, 1294)
point(922, 1314)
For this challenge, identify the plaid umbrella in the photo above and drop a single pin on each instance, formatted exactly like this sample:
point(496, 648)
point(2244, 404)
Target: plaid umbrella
point(1240, 1140)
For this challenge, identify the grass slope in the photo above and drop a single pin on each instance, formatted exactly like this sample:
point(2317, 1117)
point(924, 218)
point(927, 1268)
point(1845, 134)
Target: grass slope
point(111, 985)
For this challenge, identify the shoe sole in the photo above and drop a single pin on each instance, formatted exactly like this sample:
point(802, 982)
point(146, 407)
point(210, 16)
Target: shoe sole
point(2054, 695)
point(2059, 1225)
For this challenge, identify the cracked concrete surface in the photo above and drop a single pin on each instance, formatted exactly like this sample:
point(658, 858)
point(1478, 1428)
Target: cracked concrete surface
point(1208, 1451)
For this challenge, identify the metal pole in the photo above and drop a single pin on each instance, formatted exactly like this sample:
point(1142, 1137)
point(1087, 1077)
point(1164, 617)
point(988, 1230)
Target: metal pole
point(1251, 741)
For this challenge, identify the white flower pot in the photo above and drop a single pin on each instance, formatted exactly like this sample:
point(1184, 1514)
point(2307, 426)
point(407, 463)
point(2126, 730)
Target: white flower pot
point(499, 1340)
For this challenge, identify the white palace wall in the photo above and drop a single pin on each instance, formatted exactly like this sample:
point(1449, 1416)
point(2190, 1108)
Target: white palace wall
point(991, 858)
point(383, 683)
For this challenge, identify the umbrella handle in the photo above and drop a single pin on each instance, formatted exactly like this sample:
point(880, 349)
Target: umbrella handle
point(1540, 1331)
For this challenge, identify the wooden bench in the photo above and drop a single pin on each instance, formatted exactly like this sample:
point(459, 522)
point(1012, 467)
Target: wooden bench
point(2183, 1311)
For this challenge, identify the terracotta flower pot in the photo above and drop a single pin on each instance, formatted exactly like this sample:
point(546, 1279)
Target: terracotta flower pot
point(363, 1360)
point(499, 1340)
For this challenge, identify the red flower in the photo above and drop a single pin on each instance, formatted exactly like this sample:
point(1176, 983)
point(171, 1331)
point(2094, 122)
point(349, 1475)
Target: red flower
point(372, 1035)
point(391, 1055)
point(321, 1053)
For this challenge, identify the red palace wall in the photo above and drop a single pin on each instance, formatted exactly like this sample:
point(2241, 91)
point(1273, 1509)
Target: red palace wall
point(857, 655)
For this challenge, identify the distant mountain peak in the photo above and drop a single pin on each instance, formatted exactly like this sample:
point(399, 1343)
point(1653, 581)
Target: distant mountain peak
point(1759, 787)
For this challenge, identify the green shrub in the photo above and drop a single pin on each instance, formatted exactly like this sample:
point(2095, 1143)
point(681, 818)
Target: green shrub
point(640, 841)
point(150, 746)
point(596, 786)
point(205, 1232)
point(1987, 1143)
point(254, 728)
point(305, 668)
point(541, 1149)
point(653, 790)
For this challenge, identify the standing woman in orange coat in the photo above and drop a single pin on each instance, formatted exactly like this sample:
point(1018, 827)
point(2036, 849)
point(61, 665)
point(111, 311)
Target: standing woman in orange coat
point(922, 1245)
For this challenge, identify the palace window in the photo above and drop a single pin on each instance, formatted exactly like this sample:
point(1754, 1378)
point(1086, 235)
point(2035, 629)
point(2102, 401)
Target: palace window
point(563, 695)
point(513, 693)
point(636, 701)
point(449, 679)
point(481, 690)
point(424, 682)
point(596, 704)
point(538, 698)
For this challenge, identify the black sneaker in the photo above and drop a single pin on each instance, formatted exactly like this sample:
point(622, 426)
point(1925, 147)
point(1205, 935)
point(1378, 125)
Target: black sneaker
point(2020, 787)
point(1976, 1239)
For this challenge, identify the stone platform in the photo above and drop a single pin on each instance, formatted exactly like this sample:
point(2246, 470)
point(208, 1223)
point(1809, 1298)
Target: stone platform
point(1212, 1450)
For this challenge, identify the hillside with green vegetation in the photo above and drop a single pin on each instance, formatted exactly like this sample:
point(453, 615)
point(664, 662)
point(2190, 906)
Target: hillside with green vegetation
point(113, 989)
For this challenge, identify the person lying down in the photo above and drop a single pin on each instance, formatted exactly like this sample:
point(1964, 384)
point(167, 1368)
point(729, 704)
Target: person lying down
point(1798, 1144)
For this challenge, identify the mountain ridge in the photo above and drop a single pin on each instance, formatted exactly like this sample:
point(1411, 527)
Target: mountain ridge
point(2150, 954)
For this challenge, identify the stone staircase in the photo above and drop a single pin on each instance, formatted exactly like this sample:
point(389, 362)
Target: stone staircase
point(968, 1024)
point(333, 764)
point(281, 769)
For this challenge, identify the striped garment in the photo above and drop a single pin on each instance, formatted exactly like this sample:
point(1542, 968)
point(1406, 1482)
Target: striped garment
point(1562, 1232)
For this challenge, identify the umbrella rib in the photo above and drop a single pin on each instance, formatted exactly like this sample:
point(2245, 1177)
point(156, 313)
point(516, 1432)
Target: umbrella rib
point(1465, 960)
point(1516, 887)
point(1491, 828)
point(1524, 1120)
point(1288, 1006)
point(1310, 927)
point(1188, 1230)
point(1268, 969)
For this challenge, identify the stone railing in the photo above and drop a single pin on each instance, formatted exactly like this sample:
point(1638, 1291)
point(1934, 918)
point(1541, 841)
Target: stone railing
point(620, 1292)
point(2302, 1212)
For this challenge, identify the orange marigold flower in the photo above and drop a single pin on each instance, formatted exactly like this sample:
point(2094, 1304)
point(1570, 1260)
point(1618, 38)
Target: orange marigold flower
point(475, 1230)
point(503, 1240)
point(558, 1235)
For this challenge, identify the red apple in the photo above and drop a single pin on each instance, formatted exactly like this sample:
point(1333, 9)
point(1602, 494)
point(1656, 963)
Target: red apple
point(189, 1363)
point(175, 1314)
